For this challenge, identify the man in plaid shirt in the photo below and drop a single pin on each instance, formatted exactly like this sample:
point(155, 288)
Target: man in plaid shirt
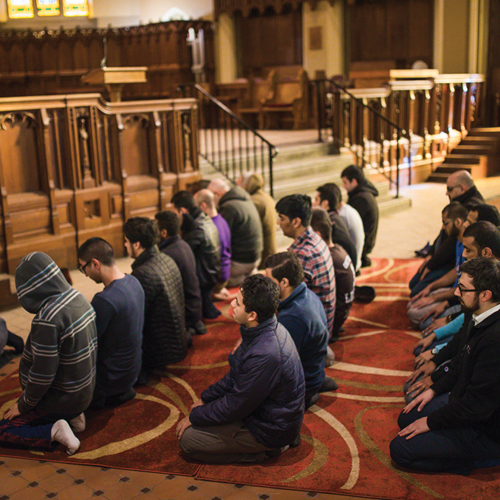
point(294, 216)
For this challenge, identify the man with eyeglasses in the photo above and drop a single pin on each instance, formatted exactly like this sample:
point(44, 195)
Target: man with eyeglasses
point(460, 187)
point(119, 318)
point(454, 425)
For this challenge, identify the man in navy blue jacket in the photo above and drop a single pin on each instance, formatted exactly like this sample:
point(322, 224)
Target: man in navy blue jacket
point(303, 315)
point(256, 410)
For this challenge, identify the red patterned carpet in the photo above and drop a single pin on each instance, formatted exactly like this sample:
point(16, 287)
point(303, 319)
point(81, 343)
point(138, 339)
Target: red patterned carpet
point(345, 437)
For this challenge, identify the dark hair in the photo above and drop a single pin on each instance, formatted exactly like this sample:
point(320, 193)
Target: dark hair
point(485, 274)
point(331, 193)
point(485, 235)
point(296, 205)
point(168, 221)
point(142, 230)
point(353, 172)
point(456, 210)
point(285, 265)
point(260, 295)
point(487, 213)
point(320, 222)
point(97, 248)
point(184, 199)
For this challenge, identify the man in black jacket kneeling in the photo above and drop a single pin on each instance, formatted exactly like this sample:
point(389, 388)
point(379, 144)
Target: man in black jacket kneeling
point(256, 410)
point(454, 426)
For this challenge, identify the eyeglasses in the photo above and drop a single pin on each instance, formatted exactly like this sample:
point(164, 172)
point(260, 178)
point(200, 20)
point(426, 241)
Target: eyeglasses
point(451, 188)
point(82, 268)
point(462, 290)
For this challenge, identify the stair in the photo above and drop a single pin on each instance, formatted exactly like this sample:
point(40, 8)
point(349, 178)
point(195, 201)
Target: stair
point(478, 154)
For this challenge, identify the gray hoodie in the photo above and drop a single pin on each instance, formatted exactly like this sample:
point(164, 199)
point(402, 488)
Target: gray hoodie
point(57, 369)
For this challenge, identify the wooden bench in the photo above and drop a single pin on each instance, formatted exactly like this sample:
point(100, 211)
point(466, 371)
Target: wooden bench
point(288, 99)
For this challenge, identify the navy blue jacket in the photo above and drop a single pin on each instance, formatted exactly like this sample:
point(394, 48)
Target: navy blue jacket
point(303, 315)
point(264, 387)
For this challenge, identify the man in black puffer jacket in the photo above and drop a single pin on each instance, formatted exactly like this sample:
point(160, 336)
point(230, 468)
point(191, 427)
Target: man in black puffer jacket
point(256, 410)
point(165, 339)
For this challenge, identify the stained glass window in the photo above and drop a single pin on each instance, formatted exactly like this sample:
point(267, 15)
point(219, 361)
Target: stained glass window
point(75, 8)
point(18, 9)
point(47, 7)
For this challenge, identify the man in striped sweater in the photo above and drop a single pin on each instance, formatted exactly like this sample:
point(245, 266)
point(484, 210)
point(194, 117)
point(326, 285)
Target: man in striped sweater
point(57, 369)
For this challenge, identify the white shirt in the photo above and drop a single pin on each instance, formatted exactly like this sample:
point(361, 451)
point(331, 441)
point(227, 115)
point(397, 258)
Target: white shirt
point(481, 317)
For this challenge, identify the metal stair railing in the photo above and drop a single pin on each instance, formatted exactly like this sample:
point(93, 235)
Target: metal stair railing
point(226, 142)
point(374, 139)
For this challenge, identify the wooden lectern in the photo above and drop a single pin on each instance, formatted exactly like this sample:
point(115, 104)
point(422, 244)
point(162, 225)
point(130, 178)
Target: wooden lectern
point(115, 78)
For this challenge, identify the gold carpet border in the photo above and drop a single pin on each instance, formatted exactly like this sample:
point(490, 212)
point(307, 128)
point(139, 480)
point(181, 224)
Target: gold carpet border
point(374, 399)
point(382, 457)
point(349, 440)
point(370, 370)
point(384, 270)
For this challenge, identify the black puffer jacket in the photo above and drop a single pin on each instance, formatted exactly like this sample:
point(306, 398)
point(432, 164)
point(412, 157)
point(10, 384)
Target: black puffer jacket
point(470, 198)
point(362, 198)
point(201, 234)
point(165, 339)
point(243, 220)
point(265, 387)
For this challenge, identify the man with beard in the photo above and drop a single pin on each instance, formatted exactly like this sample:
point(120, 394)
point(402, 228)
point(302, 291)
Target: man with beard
point(454, 425)
point(439, 292)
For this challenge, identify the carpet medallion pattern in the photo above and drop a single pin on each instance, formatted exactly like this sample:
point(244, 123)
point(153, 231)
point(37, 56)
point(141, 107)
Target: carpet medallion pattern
point(345, 436)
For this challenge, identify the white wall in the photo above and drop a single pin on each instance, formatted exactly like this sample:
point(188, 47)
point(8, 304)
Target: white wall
point(330, 58)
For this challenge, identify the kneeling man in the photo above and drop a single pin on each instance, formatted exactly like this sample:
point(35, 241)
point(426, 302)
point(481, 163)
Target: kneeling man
point(57, 369)
point(454, 425)
point(256, 410)
point(120, 320)
point(303, 315)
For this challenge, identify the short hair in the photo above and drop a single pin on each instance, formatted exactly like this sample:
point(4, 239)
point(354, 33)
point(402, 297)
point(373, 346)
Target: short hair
point(353, 172)
point(320, 222)
point(456, 210)
point(285, 265)
point(487, 213)
point(485, 274)
point(142, 230)
point(205, 196)
point(330, 194)
point(168, 221)
point(260, 295)
point(296, 206)
point(97, 248)
point(184, 199)
point(485, 235)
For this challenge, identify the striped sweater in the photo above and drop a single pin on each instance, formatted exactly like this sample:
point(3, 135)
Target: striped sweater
point(57, 369)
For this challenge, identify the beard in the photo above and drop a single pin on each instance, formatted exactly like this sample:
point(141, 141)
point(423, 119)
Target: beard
point(470, 309)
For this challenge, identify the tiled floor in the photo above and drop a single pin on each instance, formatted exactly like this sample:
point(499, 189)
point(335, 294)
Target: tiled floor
point(399, 235)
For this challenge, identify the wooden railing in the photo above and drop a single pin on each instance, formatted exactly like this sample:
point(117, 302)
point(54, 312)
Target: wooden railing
point(75, 166)
point(433, 115)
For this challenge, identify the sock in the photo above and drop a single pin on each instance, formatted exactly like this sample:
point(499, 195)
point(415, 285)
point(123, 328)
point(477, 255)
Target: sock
point(62, 433)
point(78, 424)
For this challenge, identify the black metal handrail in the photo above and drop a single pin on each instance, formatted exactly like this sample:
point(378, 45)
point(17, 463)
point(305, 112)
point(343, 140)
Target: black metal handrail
point(228, 143)
point(343, 131)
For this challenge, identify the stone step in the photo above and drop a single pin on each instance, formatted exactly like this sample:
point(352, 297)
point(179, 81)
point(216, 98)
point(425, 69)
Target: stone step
point(465, 159)
point(474, 149)
point(489, 131)
point(480, 140)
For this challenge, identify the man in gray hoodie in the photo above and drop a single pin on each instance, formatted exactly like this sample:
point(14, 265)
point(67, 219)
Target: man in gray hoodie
point(57, 369)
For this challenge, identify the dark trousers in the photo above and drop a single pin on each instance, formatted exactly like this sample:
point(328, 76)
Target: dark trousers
point(417, 285)
point(208, 308)
point(448, 450)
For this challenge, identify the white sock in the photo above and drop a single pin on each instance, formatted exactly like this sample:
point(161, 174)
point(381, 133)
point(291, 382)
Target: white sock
point(79, 423)
point(61, 432)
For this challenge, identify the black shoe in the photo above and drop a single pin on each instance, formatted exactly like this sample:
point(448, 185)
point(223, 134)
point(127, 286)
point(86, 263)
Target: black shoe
point(119, 399)
point(314, 399)
point(200, 328)
point(328, 385)
point(423, 252)
point(296, 442)
point(366, 261)
point(333, 339)
point(142, 379)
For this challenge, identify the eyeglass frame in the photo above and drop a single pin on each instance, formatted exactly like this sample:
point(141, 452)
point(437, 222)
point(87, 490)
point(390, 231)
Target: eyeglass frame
point(450, 189)
point(462, 290)
point(82, 268)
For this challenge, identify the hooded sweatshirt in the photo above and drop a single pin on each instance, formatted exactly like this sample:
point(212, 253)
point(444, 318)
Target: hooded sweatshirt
point(57, 369)
point(362, 198)
point(265, 205)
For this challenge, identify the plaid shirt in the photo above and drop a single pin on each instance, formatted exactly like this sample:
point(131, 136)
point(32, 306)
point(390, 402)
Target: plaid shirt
point(319, 273)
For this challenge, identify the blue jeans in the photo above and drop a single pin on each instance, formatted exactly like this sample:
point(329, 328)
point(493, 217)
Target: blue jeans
point(457, 450)
point(417, 285)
